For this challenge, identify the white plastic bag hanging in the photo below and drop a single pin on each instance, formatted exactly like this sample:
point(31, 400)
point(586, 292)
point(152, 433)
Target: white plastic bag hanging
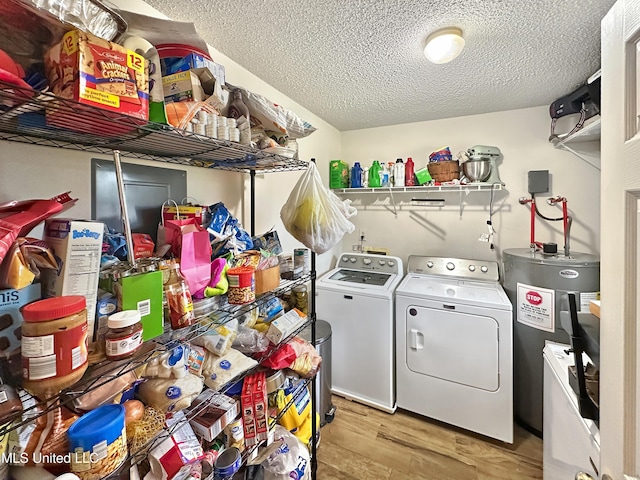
point(315, 215)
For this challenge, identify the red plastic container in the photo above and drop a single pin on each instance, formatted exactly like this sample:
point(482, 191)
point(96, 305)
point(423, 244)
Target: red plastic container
point(242, 287)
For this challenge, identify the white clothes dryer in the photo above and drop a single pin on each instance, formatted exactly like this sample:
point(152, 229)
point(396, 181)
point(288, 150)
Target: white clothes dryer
point(357, 299)
point(454, 360)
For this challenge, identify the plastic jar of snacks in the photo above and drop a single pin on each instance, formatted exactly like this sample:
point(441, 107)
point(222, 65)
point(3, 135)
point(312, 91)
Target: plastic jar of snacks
point(124, 336)
point(98, 442)
point(242, 288)
point(54, 344)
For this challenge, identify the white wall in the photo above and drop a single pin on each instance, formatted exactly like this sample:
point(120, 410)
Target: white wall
point(28, 171)
point(40, 172)
point(522, 136)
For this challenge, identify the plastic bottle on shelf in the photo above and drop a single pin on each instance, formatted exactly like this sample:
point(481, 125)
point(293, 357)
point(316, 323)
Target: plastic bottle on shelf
point(409, 175)
point(237, 107)
point(374, 174)
point(384, 176)
point(398, 173)
point(356, 175)
point(179, 300)
point(391, 167)
point(365, 177)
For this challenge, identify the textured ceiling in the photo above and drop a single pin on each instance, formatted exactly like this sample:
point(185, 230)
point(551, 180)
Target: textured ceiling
point(359, 63)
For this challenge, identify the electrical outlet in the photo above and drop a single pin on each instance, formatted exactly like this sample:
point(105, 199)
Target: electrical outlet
point(483, 238)
point(356, 248)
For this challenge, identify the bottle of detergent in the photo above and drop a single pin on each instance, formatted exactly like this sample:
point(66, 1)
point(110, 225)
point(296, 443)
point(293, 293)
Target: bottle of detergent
point(365, 177)
point(384, 176)
point(409, 176)
point(392, 171)
point(398, 173)
point(375, 175)
point(356, 175)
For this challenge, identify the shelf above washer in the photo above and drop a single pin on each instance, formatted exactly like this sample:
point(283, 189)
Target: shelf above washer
point(470, 187)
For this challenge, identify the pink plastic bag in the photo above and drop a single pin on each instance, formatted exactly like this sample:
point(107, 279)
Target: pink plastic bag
point(195, 259)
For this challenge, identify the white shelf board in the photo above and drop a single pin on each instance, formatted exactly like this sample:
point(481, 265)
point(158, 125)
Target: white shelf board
point(589, 133)
point(470, 187)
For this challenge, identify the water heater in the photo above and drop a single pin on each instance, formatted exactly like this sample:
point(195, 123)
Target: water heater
point(537, 284)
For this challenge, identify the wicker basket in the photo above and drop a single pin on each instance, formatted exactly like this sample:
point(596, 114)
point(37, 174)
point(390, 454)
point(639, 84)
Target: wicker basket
point(444, 171)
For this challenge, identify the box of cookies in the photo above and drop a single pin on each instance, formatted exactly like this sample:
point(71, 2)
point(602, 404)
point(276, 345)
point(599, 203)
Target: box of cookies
point(92, 71)
point(11, 302)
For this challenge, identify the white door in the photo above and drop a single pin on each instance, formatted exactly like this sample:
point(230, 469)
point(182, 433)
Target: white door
point(453, 346)
point(620, 265)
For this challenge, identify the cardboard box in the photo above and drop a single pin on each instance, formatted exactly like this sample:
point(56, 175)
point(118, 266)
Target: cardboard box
point(182, 87)
point(143, 292)
point(248, 415)
point(93, 71)
point(77, 246)
point(338, 174)
point(220, 411)
point(192, 61)
point(423, 176)
point(11, 301)
point(106, 304)
point(260, 406)
point(283, 326)
point(267, 280)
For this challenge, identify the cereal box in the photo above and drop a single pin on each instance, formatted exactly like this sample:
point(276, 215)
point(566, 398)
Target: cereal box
point(93, 71)
point(77, 246)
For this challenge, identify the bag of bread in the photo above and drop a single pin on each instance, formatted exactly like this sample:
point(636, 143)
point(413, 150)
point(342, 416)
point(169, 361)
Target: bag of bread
point(171, 394)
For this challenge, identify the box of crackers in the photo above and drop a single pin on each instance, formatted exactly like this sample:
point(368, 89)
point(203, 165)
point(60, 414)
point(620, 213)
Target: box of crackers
point(92, 71)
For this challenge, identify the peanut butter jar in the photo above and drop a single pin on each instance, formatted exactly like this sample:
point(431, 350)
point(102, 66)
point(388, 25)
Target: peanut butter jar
point(54, 344)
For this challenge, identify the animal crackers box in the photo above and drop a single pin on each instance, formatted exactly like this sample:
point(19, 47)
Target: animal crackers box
point(92, 71)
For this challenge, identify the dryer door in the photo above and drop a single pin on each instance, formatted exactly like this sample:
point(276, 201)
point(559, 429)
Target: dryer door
point(453, 346)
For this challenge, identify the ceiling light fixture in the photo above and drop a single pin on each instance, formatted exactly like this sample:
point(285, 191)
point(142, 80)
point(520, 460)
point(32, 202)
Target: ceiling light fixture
point(444, 45)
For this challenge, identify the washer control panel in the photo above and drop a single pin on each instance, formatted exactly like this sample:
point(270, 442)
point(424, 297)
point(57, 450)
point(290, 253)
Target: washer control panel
point(376, 263)
point(454, 267)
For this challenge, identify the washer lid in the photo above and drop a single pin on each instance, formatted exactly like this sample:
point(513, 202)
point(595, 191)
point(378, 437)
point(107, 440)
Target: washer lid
point(487, 294)
point(348, 279)
point(375, 279)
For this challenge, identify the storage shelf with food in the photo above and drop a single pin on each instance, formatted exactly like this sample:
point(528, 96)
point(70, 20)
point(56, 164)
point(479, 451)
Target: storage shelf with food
point(22, 119)
point(101, 373)
point(163, 376)
point(142, 452)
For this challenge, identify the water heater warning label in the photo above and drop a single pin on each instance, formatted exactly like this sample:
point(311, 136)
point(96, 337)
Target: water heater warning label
point(536, 307)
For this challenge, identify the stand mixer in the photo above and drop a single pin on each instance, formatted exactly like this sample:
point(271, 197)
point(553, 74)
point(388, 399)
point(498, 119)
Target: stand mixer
point(492, 154)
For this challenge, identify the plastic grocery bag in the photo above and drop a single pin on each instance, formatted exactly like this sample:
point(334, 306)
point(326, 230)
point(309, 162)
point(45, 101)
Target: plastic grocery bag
point(315, 215)
point(290, 460)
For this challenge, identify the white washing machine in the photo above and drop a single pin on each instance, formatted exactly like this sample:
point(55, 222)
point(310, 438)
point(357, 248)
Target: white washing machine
point(357, 299)
point(454, 360)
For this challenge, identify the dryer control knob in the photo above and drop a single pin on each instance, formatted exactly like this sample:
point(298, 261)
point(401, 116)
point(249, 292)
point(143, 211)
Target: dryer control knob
point(450, 266)
point(484, 269)
point(366, 261)
point(381, 263)
point(472, 268)
point(430, 264)
point(353, 259)
point(345, 259)
point(391, 263)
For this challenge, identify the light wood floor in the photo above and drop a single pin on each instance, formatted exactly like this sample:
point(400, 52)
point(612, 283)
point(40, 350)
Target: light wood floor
point(363, 443)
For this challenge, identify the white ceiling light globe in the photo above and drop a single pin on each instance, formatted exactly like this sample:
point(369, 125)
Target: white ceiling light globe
point(444, 45)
